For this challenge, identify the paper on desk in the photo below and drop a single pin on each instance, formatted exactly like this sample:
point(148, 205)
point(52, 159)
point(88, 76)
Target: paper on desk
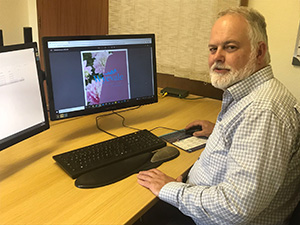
point(185, 141)
point(190, 143)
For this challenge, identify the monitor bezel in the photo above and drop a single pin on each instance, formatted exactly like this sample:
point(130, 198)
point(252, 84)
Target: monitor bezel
point(131, 103)
point(34, 130)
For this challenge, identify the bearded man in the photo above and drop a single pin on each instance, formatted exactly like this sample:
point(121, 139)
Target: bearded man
point(249, 170)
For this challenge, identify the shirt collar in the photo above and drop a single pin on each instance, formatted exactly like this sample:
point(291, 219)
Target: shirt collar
point(246, 86)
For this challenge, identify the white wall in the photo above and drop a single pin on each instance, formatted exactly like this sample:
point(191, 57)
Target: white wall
point(283, 18)
point(32, 19)
point(14, 15)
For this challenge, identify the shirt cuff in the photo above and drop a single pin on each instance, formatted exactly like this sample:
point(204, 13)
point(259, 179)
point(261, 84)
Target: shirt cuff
point(170, 192)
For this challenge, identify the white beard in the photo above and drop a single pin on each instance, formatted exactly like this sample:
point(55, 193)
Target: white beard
point(223, 81)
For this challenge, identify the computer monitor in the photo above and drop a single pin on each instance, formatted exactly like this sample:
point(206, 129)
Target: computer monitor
point(92, 74)
point(23, 110)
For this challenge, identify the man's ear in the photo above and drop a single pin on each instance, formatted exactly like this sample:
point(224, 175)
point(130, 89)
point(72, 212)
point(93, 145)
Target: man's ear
point(261, 52)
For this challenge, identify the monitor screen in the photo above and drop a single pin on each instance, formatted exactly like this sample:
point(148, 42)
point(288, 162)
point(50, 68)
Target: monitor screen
point(92, 74)
point(23, 109)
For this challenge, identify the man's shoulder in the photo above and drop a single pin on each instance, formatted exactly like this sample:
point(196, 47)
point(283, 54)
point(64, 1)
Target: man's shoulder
point(273, 96)
point(273, 92)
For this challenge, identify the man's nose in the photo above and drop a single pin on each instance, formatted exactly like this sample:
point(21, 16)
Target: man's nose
point(219, 55)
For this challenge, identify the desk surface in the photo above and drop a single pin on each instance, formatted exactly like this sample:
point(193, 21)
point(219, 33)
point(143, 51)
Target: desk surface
point(35, 190)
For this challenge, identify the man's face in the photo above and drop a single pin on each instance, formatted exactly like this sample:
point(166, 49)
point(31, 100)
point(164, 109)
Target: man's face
point(230, 59)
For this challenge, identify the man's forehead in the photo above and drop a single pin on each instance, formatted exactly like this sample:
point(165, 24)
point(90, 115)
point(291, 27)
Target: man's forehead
point(226, 42)
point(233, 28)
point(232, 19)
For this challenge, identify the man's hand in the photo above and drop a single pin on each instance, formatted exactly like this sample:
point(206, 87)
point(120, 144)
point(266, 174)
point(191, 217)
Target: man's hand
point(207, 127)
point(154, 180)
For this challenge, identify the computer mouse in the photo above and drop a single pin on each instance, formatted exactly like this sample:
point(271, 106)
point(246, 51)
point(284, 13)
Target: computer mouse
point(164, 154)
point(193, 129)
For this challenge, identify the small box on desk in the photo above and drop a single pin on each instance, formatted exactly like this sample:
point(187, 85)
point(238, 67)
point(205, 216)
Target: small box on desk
point(174, 92)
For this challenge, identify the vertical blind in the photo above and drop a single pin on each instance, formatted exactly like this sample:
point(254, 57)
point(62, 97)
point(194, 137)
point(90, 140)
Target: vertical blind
point(181, 27)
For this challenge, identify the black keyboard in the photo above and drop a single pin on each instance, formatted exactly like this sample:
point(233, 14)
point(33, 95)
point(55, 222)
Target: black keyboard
point(82, 160)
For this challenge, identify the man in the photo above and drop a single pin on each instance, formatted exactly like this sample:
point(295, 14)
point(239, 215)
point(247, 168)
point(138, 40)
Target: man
point(249, 172)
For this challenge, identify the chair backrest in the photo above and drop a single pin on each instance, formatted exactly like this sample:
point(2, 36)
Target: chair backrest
point(295, 219)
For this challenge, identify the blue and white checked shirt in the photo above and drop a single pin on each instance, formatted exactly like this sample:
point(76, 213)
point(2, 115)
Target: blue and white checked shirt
point(249, 172)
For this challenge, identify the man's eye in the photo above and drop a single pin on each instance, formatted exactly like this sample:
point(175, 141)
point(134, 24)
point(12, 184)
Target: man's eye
point(230, 48)
point(212, 50)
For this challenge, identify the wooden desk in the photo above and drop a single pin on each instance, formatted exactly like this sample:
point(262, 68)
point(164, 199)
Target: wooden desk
point(34, 190)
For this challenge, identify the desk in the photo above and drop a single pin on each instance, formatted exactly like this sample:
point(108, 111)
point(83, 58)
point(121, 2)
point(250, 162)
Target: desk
point(35, 190)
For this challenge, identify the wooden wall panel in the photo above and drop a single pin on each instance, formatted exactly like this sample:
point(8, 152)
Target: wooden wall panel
point(71, 18)
point(244, 3)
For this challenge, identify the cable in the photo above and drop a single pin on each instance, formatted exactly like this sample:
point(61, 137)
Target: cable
point(164, 94)
point(163, 128)
point(115, 113)
point(123, 122)
point(99, 128)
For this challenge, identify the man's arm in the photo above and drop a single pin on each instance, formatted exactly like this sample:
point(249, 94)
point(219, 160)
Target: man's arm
point(250, 181)
point(154, 179)
point(249, 184)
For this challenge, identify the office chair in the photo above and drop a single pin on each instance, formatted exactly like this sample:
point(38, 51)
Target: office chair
point(295, 219)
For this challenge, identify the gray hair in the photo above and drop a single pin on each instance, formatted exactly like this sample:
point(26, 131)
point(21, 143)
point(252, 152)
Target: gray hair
point(257, 26)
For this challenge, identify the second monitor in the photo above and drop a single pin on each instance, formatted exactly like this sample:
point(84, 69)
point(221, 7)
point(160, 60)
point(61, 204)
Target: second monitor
point(91, 74)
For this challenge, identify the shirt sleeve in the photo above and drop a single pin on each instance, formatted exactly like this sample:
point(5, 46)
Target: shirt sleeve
point(257, 160)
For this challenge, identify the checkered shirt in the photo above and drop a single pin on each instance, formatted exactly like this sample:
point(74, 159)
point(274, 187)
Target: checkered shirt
point(249, 172)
